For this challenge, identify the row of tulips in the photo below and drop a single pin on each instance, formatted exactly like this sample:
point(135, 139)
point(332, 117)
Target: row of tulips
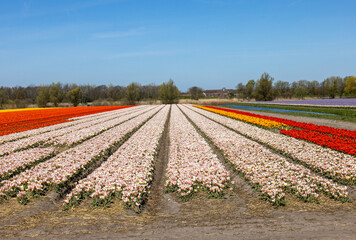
point(12, 122)
point(46, 137)
point(28, 126)
point(57, 172)
point(17, 162)
point(339, 143)
point(345, 145)
point(271, 174)
point(246, 117)
point(192, 164)
point(332, 164)
point(127, 173)
point(344, 133)
point(102, 124)
point(73, 122)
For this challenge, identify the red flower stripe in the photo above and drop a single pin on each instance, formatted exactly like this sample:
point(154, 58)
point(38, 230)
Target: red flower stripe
point(340, 144)
point(18, 121)
point(306, 126)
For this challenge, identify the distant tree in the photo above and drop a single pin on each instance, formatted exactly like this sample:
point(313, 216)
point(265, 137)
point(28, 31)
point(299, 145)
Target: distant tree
point(282, 89)
point(55, 93)
point(331, 86)
point(300, 92)
point(314, 88)
point(133, 93)
point(350, 85)
point(43, 97)
point(168, 92)
point(341, 84)
point(250, 88)
point(196, 92)
point(74, 96)
point(3, 98)
point(241, 90)
point(20, 93)
point(263, 90)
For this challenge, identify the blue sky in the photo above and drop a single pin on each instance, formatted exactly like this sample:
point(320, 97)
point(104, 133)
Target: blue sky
point(206, 43)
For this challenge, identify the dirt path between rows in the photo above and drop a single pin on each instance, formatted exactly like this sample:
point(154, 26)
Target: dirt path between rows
point(242, 214)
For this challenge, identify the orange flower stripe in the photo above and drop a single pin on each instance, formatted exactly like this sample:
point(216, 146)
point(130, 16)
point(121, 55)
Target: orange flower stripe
point(249, 119)
point(22, 120)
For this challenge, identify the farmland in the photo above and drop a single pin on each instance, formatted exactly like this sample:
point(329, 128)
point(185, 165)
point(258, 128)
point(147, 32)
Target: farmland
point(145, 169)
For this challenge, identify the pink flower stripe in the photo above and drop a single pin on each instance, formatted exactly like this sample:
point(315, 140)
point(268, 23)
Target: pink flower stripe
point(24, 143)
point(336, 165)
point(128, 172)
point(58, 171)
point(192, 164)
point(76, 121)
point(19, 160)
point(94, 128)
point(272, 174)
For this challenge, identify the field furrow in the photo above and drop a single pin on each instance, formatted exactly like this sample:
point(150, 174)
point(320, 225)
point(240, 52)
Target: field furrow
point(192, 164)
point(270, 173)
point(45, 138)
point(57, 172)
point(332, 164)
point(128, 172)
point(71, 122)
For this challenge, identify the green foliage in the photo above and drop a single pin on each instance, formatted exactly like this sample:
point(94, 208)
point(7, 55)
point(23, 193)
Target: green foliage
point(250, 87)
point(282, 89)
point(43, 97)
point(55, 93)
point(241, 91)
point(168, 92)
point(331, 85)
point(300, 92)
point(263, 90)
point(3, 97)
point(196, 93)
point(133, 93)
point(74, 96)
point(350, 85)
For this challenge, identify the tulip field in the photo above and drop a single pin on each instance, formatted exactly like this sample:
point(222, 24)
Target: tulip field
point(109, 154)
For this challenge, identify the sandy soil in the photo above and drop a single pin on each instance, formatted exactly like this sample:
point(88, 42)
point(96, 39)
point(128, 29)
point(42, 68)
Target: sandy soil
point(242, 214)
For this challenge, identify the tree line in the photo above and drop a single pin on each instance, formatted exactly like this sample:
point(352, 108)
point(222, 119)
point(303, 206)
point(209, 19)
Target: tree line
point(264, 89)
point(57, 94)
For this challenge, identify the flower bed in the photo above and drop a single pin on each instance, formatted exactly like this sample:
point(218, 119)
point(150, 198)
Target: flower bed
point(338, 166)
point(268, 172)
point(17, 121)
point(192, 164)
point(333, 138)
point(57, 172)
point(306, 126)
point(127, 173)
point(79, 133)
point(46, 137)
point(250, 118)
point(345, 145)
point(16, 162)
point(78, 120)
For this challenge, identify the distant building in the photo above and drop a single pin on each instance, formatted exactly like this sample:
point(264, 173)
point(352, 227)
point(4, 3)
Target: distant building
point(219, 92)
